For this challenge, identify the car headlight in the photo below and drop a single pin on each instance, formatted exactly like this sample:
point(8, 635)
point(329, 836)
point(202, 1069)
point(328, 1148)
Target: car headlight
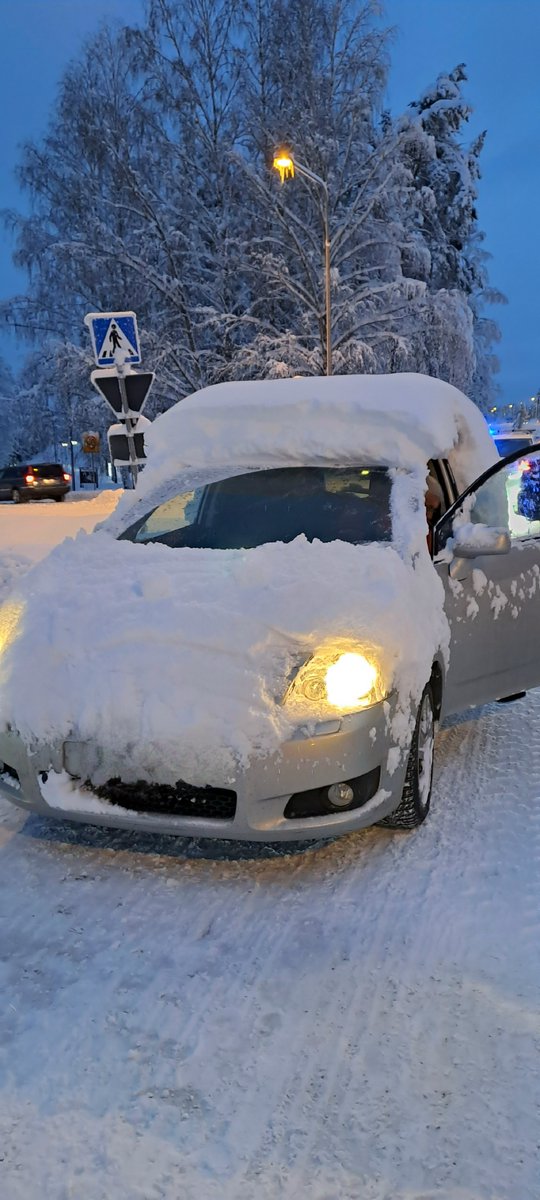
point(347, 681)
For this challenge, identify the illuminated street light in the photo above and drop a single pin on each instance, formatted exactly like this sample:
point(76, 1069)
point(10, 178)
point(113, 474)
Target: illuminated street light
point(284, 164)
point(287, 166)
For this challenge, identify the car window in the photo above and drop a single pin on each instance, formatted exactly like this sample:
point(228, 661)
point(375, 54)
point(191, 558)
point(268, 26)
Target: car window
point(47, 471)
point(509, 500)
point(328, 504)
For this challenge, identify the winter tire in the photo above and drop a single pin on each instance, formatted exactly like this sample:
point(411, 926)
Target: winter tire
point(59, 498)
point(413, 807)
point(16, 496)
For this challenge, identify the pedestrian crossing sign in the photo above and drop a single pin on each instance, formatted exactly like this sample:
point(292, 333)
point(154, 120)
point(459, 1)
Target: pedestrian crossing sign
point(115, 338)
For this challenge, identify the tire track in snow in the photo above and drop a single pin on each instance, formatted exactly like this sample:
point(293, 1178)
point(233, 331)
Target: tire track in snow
point(360, 1020)
point(480, 739)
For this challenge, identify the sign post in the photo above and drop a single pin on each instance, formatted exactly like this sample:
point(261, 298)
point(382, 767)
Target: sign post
point(130, 425)
point(122, 446)
point(137, 386)
point(90, 446)
point(115, 340)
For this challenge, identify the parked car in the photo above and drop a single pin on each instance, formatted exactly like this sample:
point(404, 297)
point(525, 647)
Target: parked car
point(39, 481)
point(515, 439)
point(282, 624)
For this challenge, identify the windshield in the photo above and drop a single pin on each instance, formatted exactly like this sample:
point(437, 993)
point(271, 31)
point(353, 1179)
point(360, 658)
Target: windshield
point(328, 503)
point(508, 445)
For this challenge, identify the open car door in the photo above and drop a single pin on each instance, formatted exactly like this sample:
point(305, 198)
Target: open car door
point(487, 555)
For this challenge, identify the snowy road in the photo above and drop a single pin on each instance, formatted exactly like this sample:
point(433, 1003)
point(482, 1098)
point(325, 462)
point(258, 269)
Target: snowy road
point(29, 531)
point(189, 1021)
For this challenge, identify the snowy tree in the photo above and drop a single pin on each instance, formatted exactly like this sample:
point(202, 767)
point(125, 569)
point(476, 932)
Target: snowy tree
point(320, 73)
point(443, 212)
point(153, 190)
point(8, 414)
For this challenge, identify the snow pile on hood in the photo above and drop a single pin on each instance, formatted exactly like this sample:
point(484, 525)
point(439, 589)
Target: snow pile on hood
point(385, 420)
point(175, 663)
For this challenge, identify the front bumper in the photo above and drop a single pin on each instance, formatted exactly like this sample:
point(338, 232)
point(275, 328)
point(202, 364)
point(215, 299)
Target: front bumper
point(359, 745)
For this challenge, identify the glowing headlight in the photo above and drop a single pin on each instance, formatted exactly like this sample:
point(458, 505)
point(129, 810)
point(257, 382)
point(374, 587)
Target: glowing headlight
point(347, 681)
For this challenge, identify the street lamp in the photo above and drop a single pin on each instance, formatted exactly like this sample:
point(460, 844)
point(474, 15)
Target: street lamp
point(287, 165)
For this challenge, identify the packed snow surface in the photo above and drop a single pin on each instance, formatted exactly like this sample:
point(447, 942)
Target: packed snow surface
point(358, 1021)
point(29, 531)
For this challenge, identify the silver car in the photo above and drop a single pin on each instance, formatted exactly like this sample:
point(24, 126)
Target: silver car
point(367, 756)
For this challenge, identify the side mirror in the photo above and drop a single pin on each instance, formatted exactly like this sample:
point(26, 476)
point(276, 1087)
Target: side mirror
point(470, 541)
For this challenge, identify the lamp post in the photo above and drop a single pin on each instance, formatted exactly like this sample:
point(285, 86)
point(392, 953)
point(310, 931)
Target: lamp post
point(73, 442)
point(287, 165)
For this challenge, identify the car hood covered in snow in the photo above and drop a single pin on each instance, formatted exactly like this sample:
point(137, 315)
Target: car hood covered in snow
point(175, 663)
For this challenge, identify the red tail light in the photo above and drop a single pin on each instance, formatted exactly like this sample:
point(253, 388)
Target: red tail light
point(67, 477)
point(29, 479)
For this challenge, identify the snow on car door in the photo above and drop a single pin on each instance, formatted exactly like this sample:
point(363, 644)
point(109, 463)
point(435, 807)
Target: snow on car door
point(492, 598)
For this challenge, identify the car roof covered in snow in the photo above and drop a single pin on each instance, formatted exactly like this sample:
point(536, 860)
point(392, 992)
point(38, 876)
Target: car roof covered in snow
point(398, 420)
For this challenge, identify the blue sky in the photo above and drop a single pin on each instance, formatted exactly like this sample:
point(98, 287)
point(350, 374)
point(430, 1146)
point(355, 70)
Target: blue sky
point(499, 41)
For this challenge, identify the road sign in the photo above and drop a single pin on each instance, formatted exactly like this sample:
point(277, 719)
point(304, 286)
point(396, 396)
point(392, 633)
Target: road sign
point(119, 441)
point(119, 449)
point(115, 338)
point(90, 443)
point(137, 386)
point(88, 477)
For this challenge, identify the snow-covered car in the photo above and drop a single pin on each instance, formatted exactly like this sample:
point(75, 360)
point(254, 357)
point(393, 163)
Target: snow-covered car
point(258, 643)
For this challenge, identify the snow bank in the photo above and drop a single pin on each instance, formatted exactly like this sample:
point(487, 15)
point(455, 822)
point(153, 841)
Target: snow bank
point(386, 420)
point(12, 566)
point(175, 663)
point(29, 531)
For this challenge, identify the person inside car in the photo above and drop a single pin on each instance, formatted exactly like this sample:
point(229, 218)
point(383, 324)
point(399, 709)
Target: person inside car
point(434, 501)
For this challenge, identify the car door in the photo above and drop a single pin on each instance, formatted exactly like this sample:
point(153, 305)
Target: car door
point(492, 583)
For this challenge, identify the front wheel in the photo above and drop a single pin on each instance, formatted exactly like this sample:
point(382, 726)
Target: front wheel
point(413, 807)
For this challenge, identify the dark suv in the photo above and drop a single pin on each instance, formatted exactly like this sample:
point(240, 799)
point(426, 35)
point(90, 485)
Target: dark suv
point(44, 481)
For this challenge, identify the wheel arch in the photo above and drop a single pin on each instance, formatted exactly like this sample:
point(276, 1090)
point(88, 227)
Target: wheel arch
point(436, 681)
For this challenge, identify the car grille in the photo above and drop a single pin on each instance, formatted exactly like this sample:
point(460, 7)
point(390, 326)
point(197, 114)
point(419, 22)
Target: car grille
point(182, 800)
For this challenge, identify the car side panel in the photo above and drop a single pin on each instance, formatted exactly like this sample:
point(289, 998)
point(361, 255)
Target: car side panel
point(493, 605)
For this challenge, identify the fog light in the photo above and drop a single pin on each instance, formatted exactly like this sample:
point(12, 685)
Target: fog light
point(340, 795)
